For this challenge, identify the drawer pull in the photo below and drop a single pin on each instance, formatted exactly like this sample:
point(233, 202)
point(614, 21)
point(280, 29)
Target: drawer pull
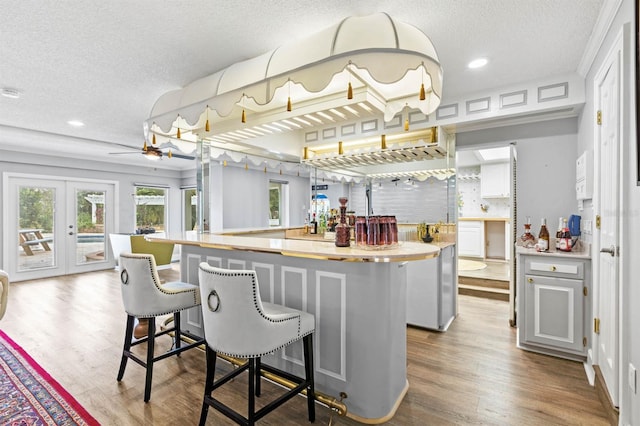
point(553, 268)
point(530, 280)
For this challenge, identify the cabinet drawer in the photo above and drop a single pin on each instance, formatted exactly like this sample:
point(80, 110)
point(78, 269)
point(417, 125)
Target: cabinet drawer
point(555, 267)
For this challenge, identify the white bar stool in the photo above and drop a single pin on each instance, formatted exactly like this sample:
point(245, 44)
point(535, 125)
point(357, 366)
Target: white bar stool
point(145, 297)
point(238, 324)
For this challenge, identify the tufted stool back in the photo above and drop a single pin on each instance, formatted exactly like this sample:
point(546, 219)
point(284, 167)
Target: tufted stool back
point(239, 324)
point(144, 296)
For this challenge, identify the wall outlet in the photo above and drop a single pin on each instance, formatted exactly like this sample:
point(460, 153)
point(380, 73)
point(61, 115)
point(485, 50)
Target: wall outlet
point(632, 378)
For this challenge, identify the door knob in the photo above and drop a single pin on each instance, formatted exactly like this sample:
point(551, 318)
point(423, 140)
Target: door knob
point(70, 233)
point(611, 250)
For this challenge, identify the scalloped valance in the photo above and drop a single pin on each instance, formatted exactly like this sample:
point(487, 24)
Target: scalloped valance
point(390, 60)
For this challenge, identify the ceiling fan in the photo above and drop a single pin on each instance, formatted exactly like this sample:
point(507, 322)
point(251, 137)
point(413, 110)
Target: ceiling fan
point(154, 153)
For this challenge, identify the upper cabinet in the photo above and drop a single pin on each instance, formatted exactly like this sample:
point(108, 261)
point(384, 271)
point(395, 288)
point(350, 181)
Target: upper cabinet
point(494, 180)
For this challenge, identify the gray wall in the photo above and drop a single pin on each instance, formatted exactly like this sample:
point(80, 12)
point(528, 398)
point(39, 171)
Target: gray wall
point(242, 197)
point(546, 170)
point(126, 176)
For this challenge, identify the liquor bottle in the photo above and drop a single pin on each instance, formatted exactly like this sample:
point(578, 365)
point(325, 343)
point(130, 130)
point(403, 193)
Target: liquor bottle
point(543, 237)
point(313, 227)
point(527, 239)
point(559, 234)
point(306, 226)
point(565, 238)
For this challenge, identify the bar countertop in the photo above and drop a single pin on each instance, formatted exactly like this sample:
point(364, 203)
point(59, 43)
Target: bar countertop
point(405, 251)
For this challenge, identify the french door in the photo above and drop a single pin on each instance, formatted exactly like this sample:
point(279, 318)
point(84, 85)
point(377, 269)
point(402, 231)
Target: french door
point(56, 226)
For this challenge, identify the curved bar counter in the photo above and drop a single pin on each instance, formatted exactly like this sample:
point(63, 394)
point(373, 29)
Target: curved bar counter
point(358, 298)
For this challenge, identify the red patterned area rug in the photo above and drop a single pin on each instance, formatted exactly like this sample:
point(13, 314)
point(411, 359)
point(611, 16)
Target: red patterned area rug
point(30, 396)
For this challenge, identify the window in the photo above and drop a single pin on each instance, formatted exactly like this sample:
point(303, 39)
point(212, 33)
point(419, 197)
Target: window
point(150, 209)
point(274, 203)
point(190, 211)
point(278, 203)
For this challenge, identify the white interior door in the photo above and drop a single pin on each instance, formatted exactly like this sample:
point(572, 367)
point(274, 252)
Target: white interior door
point(608, 140)
point(56, 226)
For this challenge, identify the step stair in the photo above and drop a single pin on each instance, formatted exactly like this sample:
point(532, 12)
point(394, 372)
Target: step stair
point(482, 287)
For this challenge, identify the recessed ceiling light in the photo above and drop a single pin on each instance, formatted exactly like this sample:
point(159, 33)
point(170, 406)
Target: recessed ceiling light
point(478, 63)
point(75, 123)
point(10, 93)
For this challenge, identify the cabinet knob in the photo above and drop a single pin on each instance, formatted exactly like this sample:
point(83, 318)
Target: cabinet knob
point(530, 280)
point(553, 268)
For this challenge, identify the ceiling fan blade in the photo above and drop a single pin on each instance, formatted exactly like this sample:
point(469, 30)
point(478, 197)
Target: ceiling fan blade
point(185, 157)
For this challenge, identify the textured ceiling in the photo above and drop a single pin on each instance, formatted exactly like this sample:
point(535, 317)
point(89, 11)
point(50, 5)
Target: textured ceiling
point(106, 63)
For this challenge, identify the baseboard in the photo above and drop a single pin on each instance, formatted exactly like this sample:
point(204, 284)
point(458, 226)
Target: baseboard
point(612, 412)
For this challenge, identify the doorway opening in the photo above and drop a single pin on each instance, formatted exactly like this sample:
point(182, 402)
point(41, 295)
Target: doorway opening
point(486, 194)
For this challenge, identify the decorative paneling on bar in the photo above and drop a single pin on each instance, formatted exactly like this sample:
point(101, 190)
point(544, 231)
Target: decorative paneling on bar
point(360, 312)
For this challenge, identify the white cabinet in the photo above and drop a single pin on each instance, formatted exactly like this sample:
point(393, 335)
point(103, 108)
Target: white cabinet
point(432, 291)
point(584, 176)
point(494, 180)
point(471, 238)
point(553, 307)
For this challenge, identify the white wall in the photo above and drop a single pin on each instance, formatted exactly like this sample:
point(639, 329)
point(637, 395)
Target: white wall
point(630, 244)
point(546, 170)
point(126, 176)
point(241, 197)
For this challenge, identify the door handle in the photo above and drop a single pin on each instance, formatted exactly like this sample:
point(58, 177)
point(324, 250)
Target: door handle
point(611, 250)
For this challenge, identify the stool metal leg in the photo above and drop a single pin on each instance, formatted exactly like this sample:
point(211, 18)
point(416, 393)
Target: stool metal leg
point(308, 370)
point(150, 348)
point(128, 335)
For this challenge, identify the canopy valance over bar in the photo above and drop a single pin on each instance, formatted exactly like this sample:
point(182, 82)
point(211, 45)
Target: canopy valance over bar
point(381, 59)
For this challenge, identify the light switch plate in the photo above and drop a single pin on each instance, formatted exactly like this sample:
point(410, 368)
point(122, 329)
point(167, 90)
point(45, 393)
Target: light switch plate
point(632, 378)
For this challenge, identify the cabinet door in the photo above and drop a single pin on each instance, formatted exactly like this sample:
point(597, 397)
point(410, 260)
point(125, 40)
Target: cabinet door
point(554, 312)
point(471, 238)
point(494, 180)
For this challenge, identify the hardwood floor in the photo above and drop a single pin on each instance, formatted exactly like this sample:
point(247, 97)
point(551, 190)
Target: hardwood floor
point(73, 327)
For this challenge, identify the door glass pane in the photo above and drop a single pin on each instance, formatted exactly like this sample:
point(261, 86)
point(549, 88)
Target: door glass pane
point(275, 203)
point(90, 220)
point(190, 209)
point(150, 209)
point(35, 230)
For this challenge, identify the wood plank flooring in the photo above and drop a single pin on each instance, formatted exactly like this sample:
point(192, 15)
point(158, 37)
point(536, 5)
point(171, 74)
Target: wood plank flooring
point(73, 327)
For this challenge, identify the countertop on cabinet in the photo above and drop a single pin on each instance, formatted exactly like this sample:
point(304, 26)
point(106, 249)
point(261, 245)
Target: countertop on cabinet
point(485, 219)
point(584, 254)
point(406, 251)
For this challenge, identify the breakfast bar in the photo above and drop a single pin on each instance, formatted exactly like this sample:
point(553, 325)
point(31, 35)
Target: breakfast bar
point(358, 298)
